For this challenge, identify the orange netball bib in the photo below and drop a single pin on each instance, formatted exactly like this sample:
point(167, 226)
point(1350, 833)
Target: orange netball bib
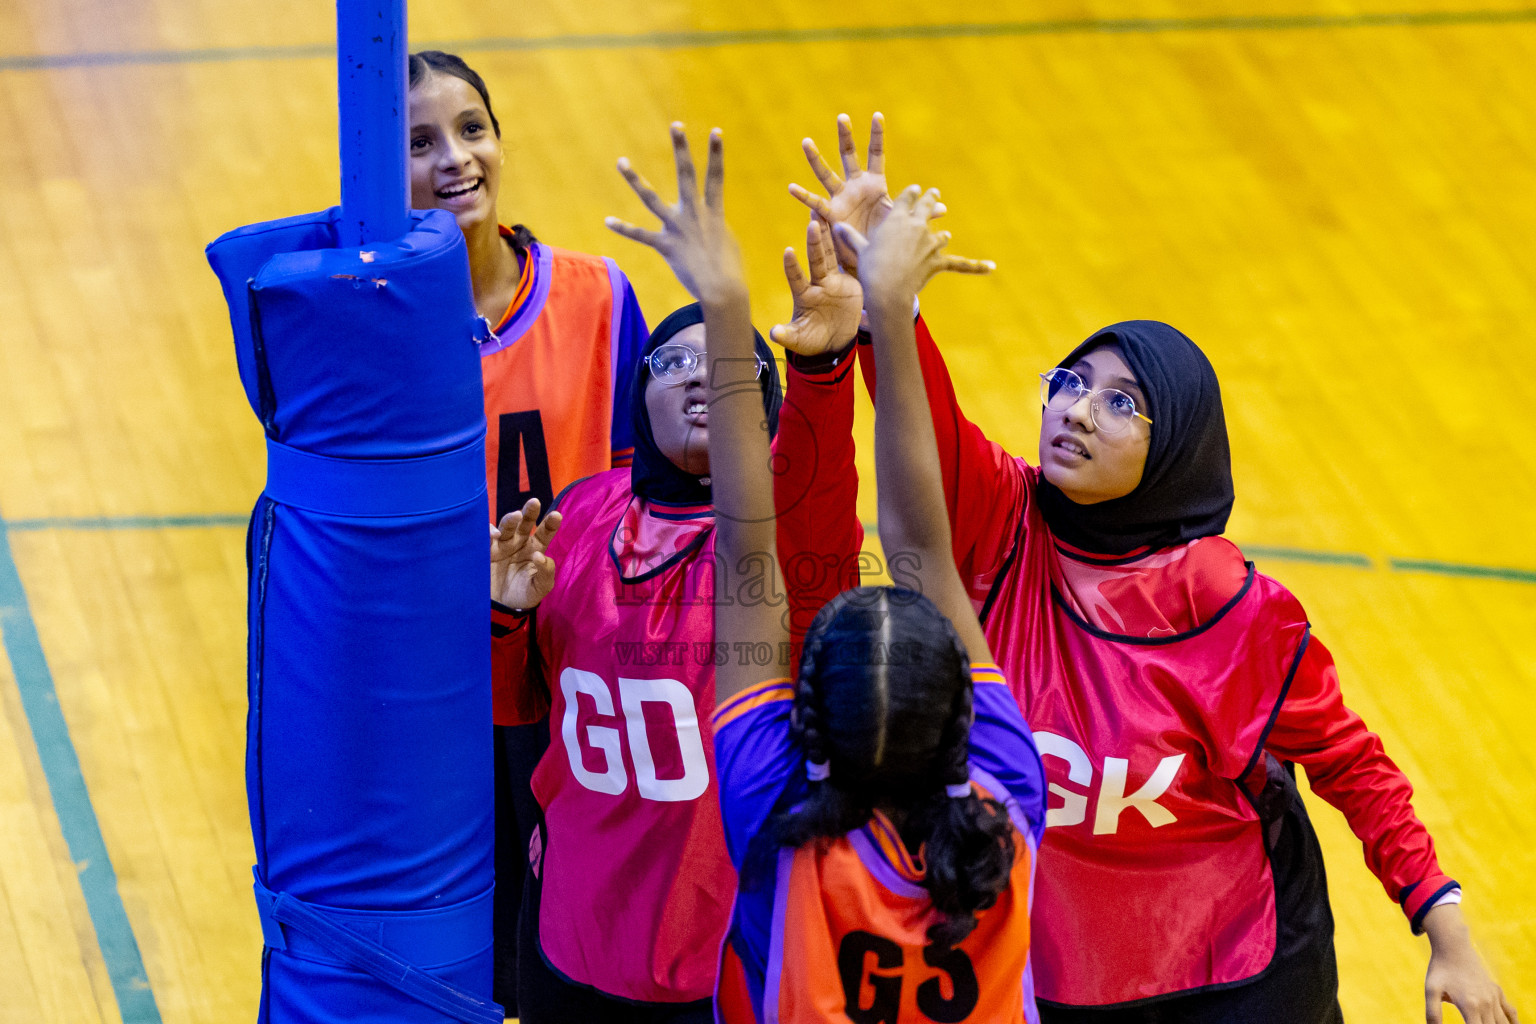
point(850, 941)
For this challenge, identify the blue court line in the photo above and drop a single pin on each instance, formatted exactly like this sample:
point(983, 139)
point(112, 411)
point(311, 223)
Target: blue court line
point(71, 800)
point(751, 37)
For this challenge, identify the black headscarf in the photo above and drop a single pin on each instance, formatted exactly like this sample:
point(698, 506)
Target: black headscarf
point(1186, 488)
point(653, 475)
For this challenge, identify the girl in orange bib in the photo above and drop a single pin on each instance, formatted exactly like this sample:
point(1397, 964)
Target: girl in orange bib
point(561, 329)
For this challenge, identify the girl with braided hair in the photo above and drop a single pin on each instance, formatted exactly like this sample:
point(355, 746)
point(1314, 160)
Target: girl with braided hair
point(893, 720)
point(884, 806)
point(604, 632)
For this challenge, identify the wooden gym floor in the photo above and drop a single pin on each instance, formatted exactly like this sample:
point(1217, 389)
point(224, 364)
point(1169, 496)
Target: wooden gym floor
point(1336, 198)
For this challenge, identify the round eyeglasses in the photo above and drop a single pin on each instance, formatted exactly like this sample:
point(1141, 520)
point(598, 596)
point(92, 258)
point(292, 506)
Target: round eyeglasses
point(674, 364)
point(1111, 410)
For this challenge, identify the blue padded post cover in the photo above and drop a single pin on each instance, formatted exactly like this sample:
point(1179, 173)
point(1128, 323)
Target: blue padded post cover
point(368, 748)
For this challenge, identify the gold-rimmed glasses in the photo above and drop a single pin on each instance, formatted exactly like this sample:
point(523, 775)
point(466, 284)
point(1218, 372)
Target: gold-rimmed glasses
point(1110, 409)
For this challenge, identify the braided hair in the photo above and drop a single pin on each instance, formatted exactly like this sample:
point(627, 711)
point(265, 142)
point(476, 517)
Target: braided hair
point(890, 719)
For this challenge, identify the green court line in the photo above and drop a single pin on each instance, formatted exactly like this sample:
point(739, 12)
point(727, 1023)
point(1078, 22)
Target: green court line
point(1303, 555)
point(127, 522)
point(755, 37)
point(1481, 572)
point(1279, 554)
point(71, 799)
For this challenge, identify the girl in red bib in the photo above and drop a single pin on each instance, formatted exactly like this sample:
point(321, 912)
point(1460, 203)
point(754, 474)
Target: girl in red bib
point(1171, 688)
point(882, 806)
point(629, 893)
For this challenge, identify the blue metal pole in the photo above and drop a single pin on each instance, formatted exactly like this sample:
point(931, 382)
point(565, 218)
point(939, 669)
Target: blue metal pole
point(370, 85)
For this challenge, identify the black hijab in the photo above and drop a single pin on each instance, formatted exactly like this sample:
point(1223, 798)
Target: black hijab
point(1186, 489)
point(653, 476)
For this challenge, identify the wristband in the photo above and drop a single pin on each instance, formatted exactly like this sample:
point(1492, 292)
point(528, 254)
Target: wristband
point(826, 362)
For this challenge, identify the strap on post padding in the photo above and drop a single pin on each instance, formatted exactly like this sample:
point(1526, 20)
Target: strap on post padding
point(375, 487)
point(364, 954)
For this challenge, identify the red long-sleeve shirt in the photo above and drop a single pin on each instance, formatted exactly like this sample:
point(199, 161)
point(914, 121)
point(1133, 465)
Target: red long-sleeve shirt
point(1131, 616)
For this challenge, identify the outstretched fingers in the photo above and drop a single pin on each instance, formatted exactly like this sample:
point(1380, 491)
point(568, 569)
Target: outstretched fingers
point(505, 528)
point(526, 519)
point(547, 529)
point(962, 265)
point(793, 274)
point(818, 205)
point(845, 146)
point(906, 199)
point(506, 537)
point(714, 172)
point(824, 174)
point(789, 336)
point(786, 334)
point(926, 204)
point(819, 251)
point(687, 177)
point(877, 143)
point(643, 189)
point(634, 233)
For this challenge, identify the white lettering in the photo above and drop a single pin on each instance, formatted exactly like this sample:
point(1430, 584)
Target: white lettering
point(1112, 798)
point(634, 693)
point(612, 779)
point(1074, 806)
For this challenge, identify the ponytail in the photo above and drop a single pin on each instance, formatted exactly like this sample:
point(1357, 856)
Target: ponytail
point(885, 723)
point(521, 238)
point(969, 850)
point(830, 810)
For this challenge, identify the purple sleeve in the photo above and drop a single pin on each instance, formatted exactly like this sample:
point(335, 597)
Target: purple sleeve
point(1003, 747)
point(755, 756)
point(629, 336)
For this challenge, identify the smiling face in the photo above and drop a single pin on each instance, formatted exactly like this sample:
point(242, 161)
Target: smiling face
point(679, 411)
point(455, 153)
point(1086, 464)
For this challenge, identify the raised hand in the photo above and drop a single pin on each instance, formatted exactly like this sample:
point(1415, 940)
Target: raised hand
point(826, 312)
point(904, 252)
point(860, 198)
point(694, 238)
point(522, 575)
